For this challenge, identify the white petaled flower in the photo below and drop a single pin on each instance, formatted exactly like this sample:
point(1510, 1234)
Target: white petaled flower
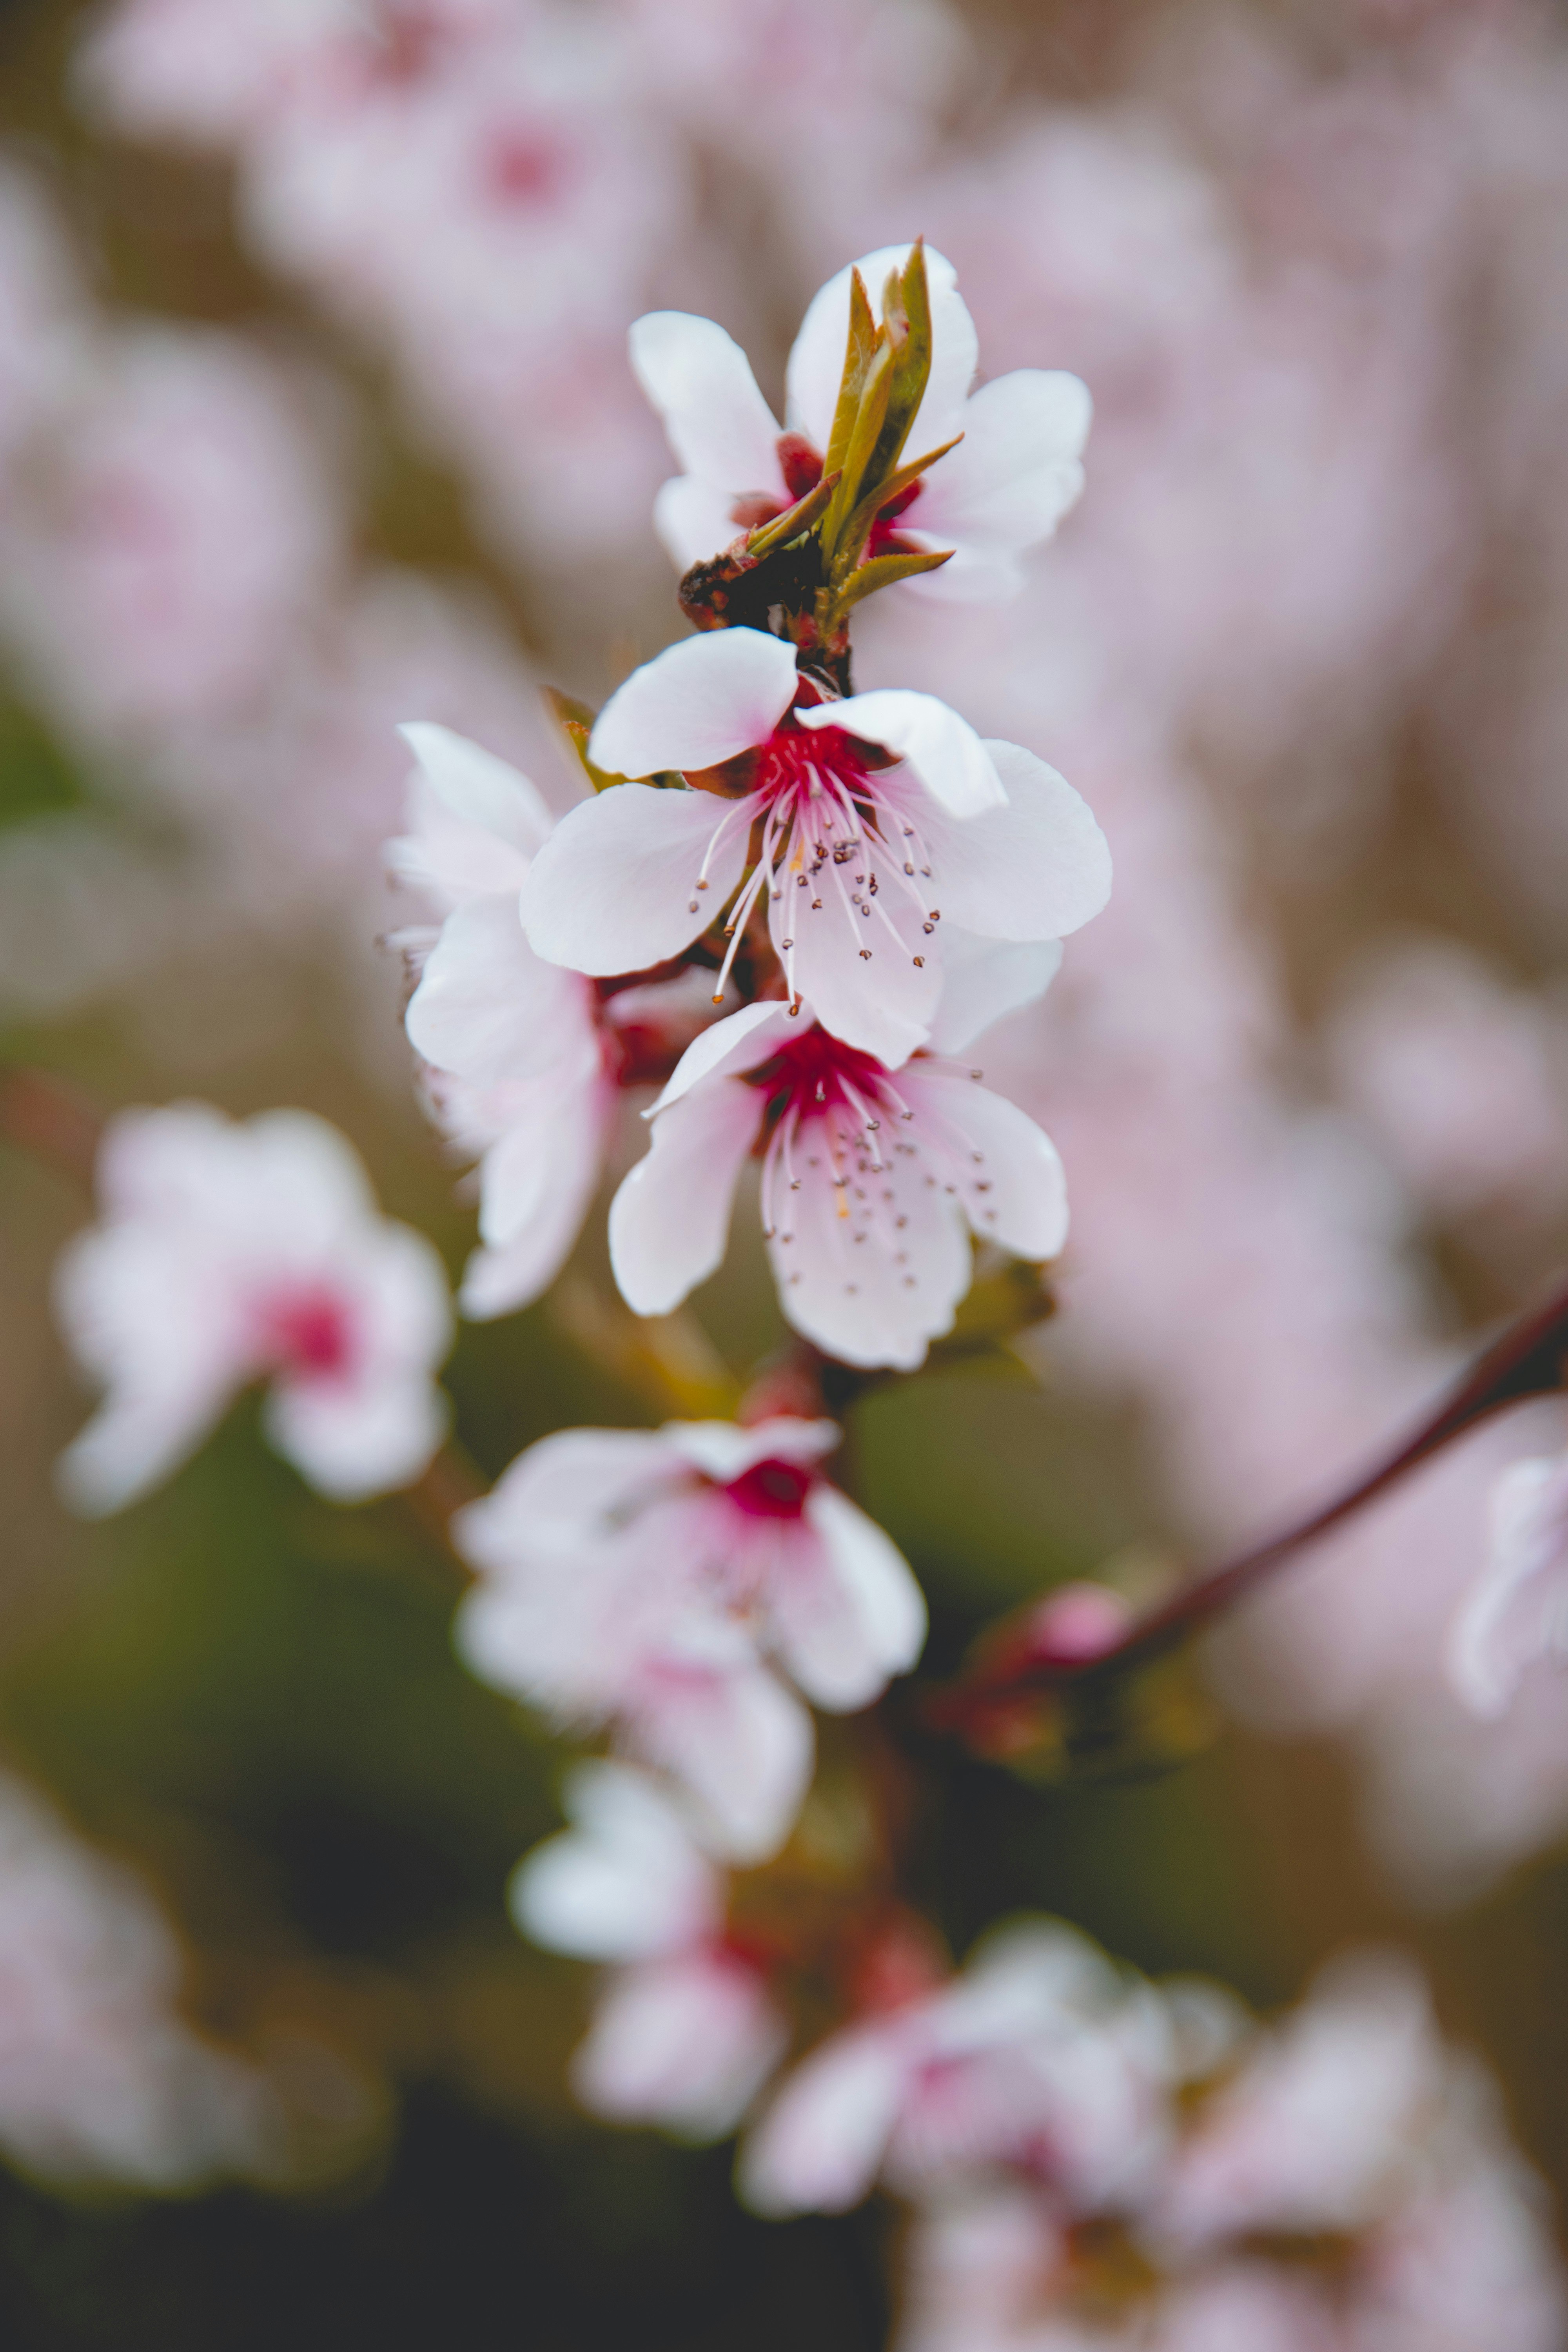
point(643, 1578)
point(1324, 2126)
point(872, 1183)
point(1517, 1613)
point(1041, 2062)
point(523, 1059)
point(517, 1077)
point(685, 2030)
point(230, 1251)
point(882, 824)
point(1003, 491)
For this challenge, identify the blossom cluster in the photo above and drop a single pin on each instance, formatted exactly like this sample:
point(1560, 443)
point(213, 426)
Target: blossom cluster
point(1091, 2159)
point(786, 912)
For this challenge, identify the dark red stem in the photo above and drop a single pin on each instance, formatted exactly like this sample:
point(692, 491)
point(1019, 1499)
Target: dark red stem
point(1529, 1359)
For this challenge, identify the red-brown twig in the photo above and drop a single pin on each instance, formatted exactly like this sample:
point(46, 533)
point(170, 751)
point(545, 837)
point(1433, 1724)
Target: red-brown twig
point(1529, 1359)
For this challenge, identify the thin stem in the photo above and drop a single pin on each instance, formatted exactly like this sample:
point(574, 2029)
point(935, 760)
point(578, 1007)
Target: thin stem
point(1529, 1359)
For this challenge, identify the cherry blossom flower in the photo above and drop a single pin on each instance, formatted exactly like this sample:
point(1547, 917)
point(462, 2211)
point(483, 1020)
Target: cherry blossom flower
point(1517, 1613)
point(1041, 2060)
point(231, 1252)
point(1000, 492)
point(872, 1183)
point(882, 817)
point(685, 2032)
point(1349, 2131)
point(523, 1058)
point(1317, 2129)
point(517, 1076)
point(640, 1578)
point(100, 2080)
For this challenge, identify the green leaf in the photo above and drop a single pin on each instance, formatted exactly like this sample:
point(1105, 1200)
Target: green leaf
point(883, 571)
point(862, 343)
point(906, 316)
point(575, 720)
point(857, 530)
point(794, 522)
point(869, 418)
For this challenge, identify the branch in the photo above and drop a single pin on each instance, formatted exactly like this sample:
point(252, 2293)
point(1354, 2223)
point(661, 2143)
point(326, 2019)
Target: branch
point(1530, 1359)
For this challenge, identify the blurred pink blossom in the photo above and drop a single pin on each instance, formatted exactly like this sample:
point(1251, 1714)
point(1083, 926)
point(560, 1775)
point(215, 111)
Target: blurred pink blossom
point(1040, 2059)
point(643, 1578)
point(684, 2031)
point(229, 1253)
point(1348, 2126)
point(1456, 1076)
point(1516, 1613)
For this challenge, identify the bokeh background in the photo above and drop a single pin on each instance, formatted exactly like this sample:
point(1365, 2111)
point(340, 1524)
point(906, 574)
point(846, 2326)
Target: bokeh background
point(314, 416)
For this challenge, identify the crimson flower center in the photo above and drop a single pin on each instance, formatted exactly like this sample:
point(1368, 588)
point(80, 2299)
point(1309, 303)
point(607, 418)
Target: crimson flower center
point(772, 1490)
point(306, 1332)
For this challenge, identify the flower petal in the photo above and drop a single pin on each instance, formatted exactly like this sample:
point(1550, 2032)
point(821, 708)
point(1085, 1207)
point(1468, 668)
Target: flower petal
point(865, 1287)
point(612, 889)
point(816, 362)
point(168, 1350)
point(695, 521)
point(737, 1043)
point(556, 1496)
point(860, 969)
point(1017, 471)
point(696, 704)
point(700, 383)
point(535, 1187)
point(943, 749)
point(670, 1220)
point(625, 1882)
point(852, 1615)
point(477, 788)
point(686, 2043)
point(1036, 868)
point(1009, 1175)
point(983, 979)
point(819, 2146)
point(742, 1746)
point(1513, 1613)
point(487, 1005)
point(724, 1451)
point(353, 1439)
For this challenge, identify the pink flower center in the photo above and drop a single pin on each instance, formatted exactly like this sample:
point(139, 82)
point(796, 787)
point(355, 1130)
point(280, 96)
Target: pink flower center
point(307, 1333)
point(524, 167)
point(772, 1490)
point(817, 1073)
point(885, 539)
point(832, 833)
